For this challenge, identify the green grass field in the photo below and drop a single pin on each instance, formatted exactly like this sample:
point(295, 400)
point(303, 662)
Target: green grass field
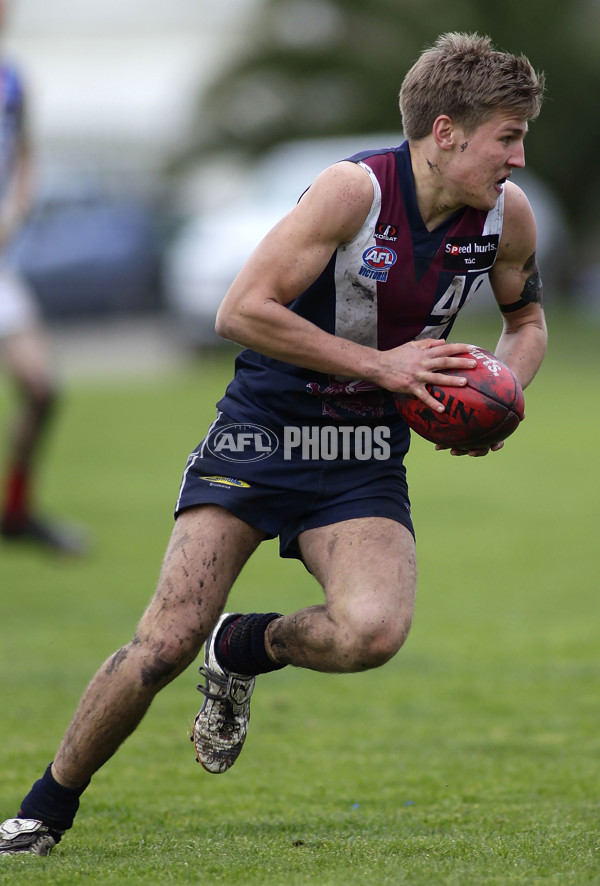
point(470, 759)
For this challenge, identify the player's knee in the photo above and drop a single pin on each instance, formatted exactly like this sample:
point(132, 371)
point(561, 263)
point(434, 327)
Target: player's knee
point(374, 638)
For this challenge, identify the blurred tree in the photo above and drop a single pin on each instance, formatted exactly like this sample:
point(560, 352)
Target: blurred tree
point(324, 67)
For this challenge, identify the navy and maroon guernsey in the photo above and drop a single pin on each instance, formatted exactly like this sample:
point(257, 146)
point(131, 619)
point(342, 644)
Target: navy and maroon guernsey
point(395, 282)
point(11, 122)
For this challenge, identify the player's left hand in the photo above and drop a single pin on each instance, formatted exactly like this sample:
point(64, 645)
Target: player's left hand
point(476, 453)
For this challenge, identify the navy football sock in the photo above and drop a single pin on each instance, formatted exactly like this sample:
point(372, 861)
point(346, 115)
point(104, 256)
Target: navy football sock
point(52, 803)
point(240, 644)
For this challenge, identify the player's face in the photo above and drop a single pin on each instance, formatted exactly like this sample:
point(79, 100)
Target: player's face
point(485, 158)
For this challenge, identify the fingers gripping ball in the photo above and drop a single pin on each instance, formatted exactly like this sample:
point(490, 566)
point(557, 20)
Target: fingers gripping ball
point(485, 411)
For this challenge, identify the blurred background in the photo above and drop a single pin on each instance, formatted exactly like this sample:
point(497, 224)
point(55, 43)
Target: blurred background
point(156, 125)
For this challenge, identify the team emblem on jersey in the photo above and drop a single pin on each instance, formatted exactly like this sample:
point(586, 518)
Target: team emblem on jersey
point(377, 262)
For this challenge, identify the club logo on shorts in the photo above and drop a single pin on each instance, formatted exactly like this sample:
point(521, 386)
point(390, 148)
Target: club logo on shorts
point(215, 480)
point(242, 443)
point(377, 262)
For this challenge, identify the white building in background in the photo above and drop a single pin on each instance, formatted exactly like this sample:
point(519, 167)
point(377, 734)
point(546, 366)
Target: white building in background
point(116, 79)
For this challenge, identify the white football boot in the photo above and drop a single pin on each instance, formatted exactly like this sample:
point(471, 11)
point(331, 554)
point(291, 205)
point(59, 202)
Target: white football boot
point(222, 723)
point(25, 835)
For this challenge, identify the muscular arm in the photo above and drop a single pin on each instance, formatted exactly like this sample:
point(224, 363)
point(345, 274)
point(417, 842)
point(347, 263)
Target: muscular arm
point(517, 287)
point(288, 260)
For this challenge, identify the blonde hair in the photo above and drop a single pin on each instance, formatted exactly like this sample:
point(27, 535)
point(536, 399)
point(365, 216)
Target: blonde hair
point(463, 76)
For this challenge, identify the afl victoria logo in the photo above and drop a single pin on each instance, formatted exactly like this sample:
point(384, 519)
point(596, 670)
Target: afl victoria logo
point(242, 443)
point(379, 258)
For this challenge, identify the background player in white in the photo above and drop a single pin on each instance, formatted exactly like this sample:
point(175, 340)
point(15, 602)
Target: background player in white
point(474, 104)
point(25, 354)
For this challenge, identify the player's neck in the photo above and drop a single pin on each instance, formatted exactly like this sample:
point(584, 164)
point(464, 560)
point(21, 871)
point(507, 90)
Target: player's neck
point(433, 198)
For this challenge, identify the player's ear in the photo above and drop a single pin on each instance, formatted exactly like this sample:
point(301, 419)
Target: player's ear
point(444, 132)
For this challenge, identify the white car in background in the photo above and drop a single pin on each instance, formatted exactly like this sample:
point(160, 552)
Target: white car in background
point(210, 248)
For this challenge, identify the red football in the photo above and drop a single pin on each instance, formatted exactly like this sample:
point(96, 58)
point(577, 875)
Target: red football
point(483, 412)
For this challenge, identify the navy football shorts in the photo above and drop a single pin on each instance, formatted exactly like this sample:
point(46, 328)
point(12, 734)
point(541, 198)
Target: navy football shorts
point(298, 478)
